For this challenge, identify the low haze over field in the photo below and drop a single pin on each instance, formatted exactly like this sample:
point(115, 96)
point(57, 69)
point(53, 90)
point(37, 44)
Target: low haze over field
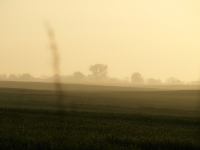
point(158, 39)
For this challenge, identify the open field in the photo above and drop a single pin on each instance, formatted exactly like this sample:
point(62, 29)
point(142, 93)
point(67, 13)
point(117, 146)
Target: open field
point(90, 86)
point(102, 98)
point(98, 117)
point(168, 102)
point(42, 129)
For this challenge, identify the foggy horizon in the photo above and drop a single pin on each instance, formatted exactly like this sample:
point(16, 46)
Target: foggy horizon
point(99, 74)
point(157, 39)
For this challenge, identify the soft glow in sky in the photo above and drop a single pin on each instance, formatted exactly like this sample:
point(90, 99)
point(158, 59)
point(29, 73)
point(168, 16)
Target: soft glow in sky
point(159, 38)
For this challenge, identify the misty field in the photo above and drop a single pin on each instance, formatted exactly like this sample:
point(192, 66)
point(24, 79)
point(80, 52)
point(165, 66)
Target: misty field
point(99, 117)
point(112, 98)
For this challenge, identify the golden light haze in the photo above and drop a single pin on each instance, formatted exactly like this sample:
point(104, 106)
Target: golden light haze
point(158, 38)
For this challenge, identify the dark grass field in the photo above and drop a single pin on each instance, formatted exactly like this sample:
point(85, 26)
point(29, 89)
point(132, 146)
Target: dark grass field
point(99, 117)
point(45, 129)
point(112, 100)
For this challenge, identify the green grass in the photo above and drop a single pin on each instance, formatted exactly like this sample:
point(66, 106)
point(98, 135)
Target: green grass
point(45, 129)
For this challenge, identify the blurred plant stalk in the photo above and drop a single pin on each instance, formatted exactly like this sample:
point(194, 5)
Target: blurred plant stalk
point(56, 65)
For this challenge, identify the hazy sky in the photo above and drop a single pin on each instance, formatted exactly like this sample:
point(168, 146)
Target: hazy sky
point(158, 38)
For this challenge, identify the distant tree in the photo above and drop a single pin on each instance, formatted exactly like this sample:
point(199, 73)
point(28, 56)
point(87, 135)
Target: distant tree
point(173, 80)
point(137, 78)
point(26, 76)
point(114, 80)
point(195, 82)
point(3, 77)
point(99, 71)
point(12, 77)
point(153, 81)
point(44, 77)
point(78, 76)
point(56, 76)
point(126, 80)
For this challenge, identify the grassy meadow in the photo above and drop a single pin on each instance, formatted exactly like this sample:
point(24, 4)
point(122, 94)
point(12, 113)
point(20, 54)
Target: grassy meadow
point(99, 117)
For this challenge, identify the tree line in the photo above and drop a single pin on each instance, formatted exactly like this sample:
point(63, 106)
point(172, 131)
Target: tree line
point(99, 73)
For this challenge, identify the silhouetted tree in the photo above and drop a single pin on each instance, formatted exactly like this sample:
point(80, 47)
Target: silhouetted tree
point(173, 80)
point(26, 76)
point(126, 80)
point(195, 82)
point(137, 78)
point(12, 77)
point(44, 77)
point(78, 76)
point(153, 81)
point(99, 71)
point(3, 77)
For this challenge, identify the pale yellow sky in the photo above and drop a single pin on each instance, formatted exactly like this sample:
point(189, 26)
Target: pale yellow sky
point(158, 38)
